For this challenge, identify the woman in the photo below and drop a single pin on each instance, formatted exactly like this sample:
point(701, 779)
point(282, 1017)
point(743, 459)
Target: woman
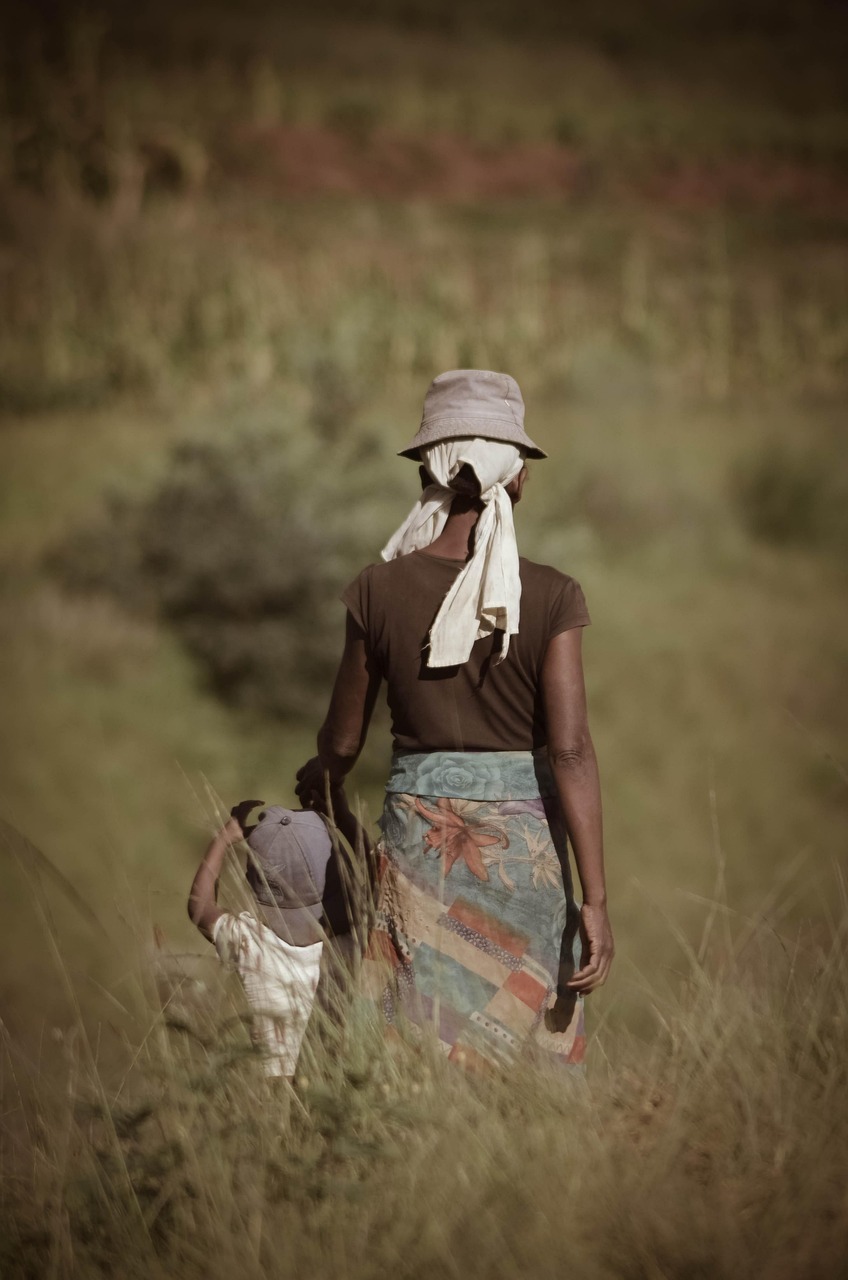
point(477, 935)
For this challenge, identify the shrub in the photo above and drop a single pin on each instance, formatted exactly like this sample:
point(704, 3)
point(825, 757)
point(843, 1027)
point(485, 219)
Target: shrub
point(789, 497)
point(243, 549)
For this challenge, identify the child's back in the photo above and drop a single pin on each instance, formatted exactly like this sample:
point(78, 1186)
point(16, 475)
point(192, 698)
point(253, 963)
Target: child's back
point(277, 955)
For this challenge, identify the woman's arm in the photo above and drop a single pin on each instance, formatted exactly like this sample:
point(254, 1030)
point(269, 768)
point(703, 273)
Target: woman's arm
point(342, 735)
point(203, 909)
point(575, 770)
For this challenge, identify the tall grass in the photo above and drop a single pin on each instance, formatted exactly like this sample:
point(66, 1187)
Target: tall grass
point(163, 275)
point(227, 305)
point(711, 1142)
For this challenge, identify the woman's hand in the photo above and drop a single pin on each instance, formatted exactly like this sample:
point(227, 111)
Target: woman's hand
point(598, 950)
point(311, 789)
point(311, 785)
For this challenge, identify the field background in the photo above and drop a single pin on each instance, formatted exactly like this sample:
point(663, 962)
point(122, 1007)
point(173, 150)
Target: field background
point(235, 246)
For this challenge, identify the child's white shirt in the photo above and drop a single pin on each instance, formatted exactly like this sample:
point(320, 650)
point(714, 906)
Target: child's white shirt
point(279, 982)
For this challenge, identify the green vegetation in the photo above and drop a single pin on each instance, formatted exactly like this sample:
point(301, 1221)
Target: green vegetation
point(203, 553)
point(233, 252)
point(711, 1145)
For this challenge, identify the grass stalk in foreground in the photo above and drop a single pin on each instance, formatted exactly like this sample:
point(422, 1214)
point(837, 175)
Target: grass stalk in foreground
point(712, 1144)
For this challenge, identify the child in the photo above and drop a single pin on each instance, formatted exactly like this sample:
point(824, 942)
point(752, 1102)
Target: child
point(293, 870)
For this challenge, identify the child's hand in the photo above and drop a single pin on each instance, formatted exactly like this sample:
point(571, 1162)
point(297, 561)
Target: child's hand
point(236, 827)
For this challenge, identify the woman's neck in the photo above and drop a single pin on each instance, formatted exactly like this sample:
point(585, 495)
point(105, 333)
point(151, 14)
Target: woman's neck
point(456, 541)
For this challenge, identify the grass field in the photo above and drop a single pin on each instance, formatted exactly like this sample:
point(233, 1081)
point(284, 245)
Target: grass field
point(243, 227)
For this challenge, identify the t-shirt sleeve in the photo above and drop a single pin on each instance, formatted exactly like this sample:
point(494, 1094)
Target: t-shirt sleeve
point(357, 597)
point(568, 607)
point(226, 936)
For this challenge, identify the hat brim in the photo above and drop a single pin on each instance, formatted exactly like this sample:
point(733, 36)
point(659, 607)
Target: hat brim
point(466, 429)
point(298, 926)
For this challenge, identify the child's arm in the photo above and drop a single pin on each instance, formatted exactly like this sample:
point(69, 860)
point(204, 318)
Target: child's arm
point(203, 909)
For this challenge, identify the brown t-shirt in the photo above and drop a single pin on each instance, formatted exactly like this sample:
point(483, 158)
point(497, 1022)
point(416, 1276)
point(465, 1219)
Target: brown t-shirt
point(482, 705)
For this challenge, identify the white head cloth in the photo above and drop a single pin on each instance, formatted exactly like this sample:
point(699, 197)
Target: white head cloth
point(487, 593)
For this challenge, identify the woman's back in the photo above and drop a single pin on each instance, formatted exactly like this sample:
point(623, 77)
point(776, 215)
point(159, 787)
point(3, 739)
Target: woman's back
point(475, 938)
point(481, 705)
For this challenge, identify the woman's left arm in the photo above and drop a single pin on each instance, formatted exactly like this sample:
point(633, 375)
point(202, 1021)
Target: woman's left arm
point(575, 770)
point(342, 735)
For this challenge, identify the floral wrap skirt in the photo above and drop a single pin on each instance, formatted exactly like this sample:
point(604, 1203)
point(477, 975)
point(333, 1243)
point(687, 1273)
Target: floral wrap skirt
point(476, 928)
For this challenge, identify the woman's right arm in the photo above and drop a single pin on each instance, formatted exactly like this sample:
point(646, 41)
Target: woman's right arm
point(575, 770)
point(342, 735)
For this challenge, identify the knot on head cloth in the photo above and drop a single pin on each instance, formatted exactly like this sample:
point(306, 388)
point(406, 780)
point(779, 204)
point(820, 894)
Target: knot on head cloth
point(486, 595)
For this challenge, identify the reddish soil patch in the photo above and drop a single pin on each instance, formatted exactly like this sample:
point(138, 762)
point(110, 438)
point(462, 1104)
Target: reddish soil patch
point(310, 160)
point(756, 182)
point(304, 160)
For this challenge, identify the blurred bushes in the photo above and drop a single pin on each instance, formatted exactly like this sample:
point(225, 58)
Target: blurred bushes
point(79, 123)
point(243, 549)
point(154, 238)
point(787, 497)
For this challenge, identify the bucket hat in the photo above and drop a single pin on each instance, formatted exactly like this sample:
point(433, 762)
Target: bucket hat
point(287, 871)
point(473, 402)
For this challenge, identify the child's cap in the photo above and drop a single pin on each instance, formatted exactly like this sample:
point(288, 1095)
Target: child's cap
point(288, 870)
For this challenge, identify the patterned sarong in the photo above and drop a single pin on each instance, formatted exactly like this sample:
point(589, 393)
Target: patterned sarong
point(476, 929)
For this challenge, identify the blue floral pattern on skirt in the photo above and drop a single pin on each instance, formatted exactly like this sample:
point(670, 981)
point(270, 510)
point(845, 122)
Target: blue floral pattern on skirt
point(472, 775)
